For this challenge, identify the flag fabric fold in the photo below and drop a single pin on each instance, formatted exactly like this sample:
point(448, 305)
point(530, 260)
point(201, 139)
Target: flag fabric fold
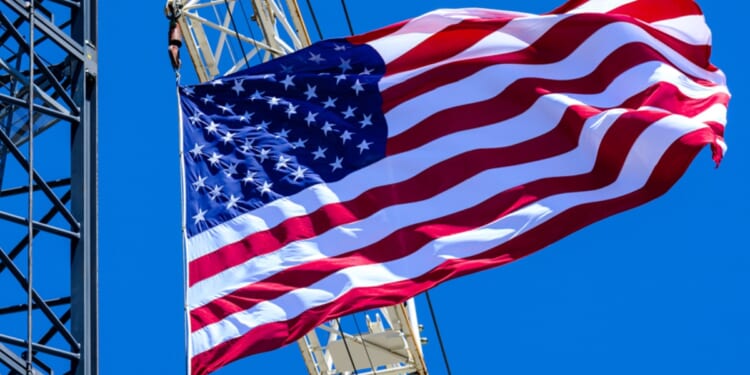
point(359, 172)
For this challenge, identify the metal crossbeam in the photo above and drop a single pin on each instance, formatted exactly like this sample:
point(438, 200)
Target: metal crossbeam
point(48, 98)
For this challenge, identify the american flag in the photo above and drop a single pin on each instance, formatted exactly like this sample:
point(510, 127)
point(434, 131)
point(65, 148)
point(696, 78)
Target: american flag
point(359, 172)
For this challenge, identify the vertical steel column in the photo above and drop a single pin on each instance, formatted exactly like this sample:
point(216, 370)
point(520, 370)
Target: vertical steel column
point(84, 185)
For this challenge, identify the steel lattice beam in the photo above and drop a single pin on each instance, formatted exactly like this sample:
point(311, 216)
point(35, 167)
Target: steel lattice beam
point(48, 187)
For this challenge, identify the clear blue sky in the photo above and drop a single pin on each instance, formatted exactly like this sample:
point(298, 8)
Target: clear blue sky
point(662, 289)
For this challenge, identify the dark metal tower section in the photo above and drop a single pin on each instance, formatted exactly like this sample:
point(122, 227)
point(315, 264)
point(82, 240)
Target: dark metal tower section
point(48, 187)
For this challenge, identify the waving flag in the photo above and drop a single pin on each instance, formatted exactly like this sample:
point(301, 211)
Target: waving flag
point(359, 172)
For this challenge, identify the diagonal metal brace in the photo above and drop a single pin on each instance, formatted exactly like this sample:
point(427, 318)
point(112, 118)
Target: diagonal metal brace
point(40, 64)
point(39, 301)
point(10, 359)
point(40, 348)
point(25, 240)
point(75, 226)
point(48, 28)
point(39, 226)
point(40, 108)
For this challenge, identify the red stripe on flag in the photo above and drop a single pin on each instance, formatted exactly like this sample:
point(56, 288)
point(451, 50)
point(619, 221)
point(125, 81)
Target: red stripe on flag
point(568, 6)
point(668, 97)
point(445, 44)
point(646, 10)
point(376, 34)
point(654, 11)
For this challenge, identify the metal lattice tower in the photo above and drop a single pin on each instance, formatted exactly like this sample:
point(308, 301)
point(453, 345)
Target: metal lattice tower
point(48, 187)
point(222, 36)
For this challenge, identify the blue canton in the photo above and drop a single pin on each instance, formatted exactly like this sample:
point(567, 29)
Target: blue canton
point(260, 134)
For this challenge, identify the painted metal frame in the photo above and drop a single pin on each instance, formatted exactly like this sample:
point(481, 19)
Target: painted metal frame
point(48, 231)
point(220, 39)
point(391, 345)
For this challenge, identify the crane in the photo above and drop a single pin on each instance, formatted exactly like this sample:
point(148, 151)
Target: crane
point(223, 36)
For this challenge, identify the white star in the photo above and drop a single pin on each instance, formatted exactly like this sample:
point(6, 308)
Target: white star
point(282, 134)
point(200, 183)
point(336, 164)
point(196, 117)
point(215, 192)
point(257, 95)
point(227, 108)
point(200, 216)
point(238, 86)
point(264, 154)
point(357, 87)
point(299, 173)
point(208, 99)
point(245, 148)
point(282, 163)
point(331, 102)
point(246, 116)
point(299, 143)
point(339, 47)
point(227, 137)
point(363, 146)
point(249, 177)
point(263, 125)
point(286, 69)
point(214, 159)
point(288, 82)
point(266, 188)
point(349, 112)
point(310, 118)
point(345, 65)
point(311, 92)
point(272, 101)
point(327, 127)
point(197, 150)
point(345, 136)
point(232, 202)
point(320, 153)
point(291, 110)
point(231, 170)
point(315, 57)
point(189, 91)
point(366, 71)
point(340, 77)
point(366, 121)
point(212, 127)
point(217, 82)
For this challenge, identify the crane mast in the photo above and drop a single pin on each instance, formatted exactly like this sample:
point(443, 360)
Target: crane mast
point(48, 187)
point(223, 36)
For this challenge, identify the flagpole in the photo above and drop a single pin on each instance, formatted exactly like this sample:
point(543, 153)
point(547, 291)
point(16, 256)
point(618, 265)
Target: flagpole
point(183, 212)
